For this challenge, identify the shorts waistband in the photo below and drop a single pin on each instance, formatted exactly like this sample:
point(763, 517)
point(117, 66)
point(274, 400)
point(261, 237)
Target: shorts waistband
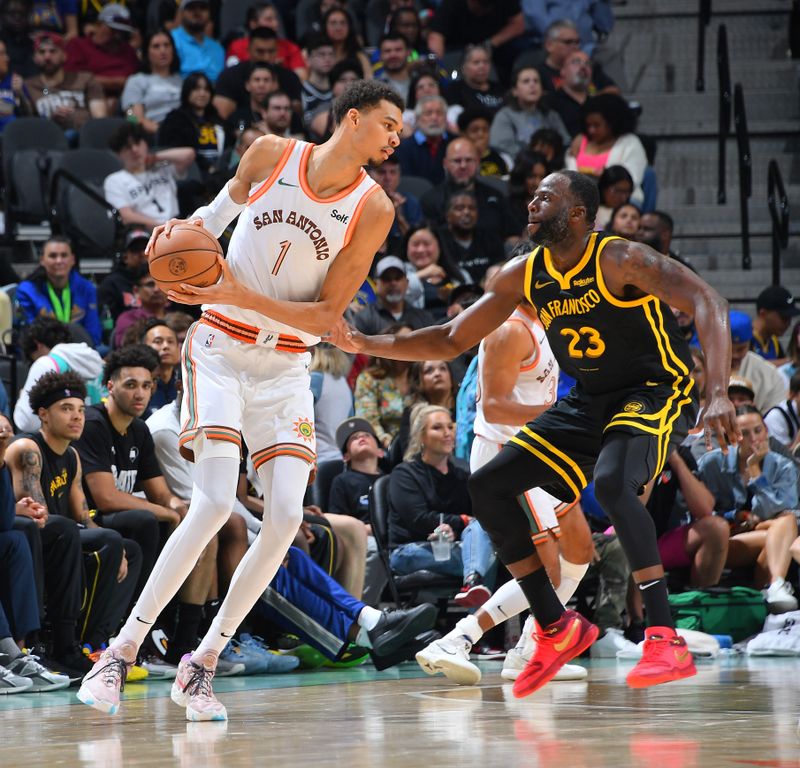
point(249, 334)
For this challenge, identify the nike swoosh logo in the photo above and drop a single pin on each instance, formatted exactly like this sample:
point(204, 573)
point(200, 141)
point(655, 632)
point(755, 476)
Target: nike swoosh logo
point(224, 635)
point(500, 610)
point(537, 285)
point(567, 641)
point(643, 587)
point(149, 623)
point(681, 657)
point(282, 183)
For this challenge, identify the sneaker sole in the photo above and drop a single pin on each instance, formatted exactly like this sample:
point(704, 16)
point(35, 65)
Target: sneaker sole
point(47, 687)
point(204, 717)
point(672, 676)
point(17, 689)
point(178, 696)
point(567, 672)
point(589, 637)
point(421, 622)
point(475, 598)
point(455, 672)
point(87, 698)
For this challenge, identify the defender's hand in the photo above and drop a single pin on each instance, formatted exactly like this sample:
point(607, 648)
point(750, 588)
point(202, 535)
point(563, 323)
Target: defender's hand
point(719, 418)
point(344, 336)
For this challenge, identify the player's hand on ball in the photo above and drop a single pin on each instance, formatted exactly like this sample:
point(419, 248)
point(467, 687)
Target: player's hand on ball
point(167, 228)
point(344, 336)
point(227, 291)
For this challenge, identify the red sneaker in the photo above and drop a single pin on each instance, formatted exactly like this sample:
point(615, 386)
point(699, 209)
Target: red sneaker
point(665, 658)
point(562, 641)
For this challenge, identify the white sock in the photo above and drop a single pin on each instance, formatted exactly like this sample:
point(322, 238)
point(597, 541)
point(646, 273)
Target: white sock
point(507, 601)
point(369, 617)
point(467, 627)
point(571, 575)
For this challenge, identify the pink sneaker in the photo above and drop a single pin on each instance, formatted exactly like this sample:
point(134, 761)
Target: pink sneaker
point(104, 682)
point(192, 689)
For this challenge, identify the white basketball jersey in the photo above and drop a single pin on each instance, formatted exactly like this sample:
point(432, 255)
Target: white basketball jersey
point(287, 237)
point(536, 383)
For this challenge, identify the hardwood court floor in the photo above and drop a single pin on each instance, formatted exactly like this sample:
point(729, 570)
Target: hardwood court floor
point(736, 712)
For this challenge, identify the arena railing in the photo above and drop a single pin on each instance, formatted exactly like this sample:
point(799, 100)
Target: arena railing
point(703, 19)
point(724, 78)
point(745, 169)
point(778, 204)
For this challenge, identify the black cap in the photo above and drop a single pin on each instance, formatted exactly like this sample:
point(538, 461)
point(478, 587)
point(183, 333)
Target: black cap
point(136, 234)
point(777, 298)
point(466, 289)
point(348, 428)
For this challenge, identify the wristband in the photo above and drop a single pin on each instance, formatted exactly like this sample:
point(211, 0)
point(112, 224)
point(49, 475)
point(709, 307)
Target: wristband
point(219, 213)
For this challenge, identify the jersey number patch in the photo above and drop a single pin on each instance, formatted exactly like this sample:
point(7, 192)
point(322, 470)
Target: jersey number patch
point(285, 246)
point(595, 346)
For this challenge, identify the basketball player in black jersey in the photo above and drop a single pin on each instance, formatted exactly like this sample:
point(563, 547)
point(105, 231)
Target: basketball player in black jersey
point(604, 303)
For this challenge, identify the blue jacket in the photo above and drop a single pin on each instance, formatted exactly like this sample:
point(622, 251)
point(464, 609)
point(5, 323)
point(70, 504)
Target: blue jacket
point(34, 301)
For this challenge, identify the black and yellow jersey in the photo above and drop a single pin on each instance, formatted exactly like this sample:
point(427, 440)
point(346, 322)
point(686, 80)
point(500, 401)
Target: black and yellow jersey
point(604, 342)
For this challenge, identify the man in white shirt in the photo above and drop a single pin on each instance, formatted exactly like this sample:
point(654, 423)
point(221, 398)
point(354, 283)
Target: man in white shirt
point(145, 192)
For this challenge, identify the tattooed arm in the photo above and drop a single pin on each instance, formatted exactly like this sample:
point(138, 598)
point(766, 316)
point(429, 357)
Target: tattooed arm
point(25, 462)
point(626, 264)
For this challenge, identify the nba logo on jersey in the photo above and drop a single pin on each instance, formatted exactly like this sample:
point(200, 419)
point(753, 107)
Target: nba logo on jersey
point(210, 339)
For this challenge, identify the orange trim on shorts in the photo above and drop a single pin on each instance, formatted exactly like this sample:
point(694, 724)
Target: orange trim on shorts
point(279, 166)
point(283, 449)
point(249, 333)
point(564, 507)
point(356, 215)
point(303, 173)
point(190, 379)
point(541, 538)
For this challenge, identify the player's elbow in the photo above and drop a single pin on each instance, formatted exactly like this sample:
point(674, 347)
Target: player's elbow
point(493, 410)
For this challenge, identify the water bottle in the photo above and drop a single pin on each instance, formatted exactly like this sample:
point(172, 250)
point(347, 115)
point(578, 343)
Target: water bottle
point(106, 322)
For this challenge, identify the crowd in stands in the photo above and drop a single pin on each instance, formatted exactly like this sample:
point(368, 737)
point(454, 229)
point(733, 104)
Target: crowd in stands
point(498, 95)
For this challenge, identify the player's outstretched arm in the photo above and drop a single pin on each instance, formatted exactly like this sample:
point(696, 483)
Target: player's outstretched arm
point(443, 342)
point(625, 263)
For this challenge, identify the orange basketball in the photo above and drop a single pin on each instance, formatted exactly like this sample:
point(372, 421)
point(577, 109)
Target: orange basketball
point(188, 255)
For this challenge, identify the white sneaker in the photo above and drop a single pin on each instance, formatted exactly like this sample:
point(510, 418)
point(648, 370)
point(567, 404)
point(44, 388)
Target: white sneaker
point(11, 683)
point(192, 689)
point(450, 656)
point(159, 669)
point(780, 597)
point(42, 679)
point(613, 644)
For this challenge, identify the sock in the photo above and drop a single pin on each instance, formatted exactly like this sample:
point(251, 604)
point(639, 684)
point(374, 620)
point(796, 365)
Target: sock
point(571, 575)
point(187, 624)
point(368, 618)
point(541, 596)
point(507, 601)
point(9, 648)
point(362, 638)
point(467, 627)
point(656, 603)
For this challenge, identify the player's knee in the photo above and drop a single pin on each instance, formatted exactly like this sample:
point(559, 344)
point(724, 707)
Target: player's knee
point(611, 488)
point(480, 490)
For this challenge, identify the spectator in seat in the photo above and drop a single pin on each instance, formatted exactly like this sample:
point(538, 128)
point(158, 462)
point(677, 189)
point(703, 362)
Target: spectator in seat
point(263, 48)
point(526, 113)
point(498, 25)
point(115, 293)
point(15, 100)
point(591, 18)
point(475, 125)
point(461, 165)
point(333, 398)
point(407, 208)
point(197, 52)
point(624, 221)
point(153, 92)
point(47, 344)
point(180, 322)
point(471, 247)
point(320, 126)
point(428, 498)
point(561, 40)
point(607, 138)
point(655, 230)
point(381, 392)
point(260, 84)
point(425, 82)
point(422, 153)
point(195, 123)
point(615, 187)
point(118, 457)
point(792, 365)
point(549, 143)
point(145, 192)
point(358, 444)
point(278, 115)
point(17, 34)
point(56, 289)
point(105, 51)
point(576, 85)
point(67, 98)
point(474, 88)
point(527, 173)
point(690, 535)
point(395, 69)
point(775, 308)
point(769, 386)
point(45, 466)
point(337, 26)
point(265, 14)
point(756, 489)
point(391, 285)
point(317, 91)
point(151, 302)
point(783, 420)
point(157, 335)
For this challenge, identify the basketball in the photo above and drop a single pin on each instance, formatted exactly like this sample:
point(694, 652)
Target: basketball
point(188, 255)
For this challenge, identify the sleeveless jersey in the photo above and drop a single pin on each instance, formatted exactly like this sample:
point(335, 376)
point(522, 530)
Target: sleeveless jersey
point(58, 472)
point(604, 342)
point(536, 383)
point(287, 237)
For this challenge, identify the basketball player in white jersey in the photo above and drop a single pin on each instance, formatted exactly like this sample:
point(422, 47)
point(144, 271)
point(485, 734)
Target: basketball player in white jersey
point(517, 380)
point(310, 221)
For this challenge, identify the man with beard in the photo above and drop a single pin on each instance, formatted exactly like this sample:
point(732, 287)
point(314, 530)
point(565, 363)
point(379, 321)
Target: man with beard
point(603, 302)
point(393, 67)
point(461, 165)
point(569, 97)
point(422, 153)
point(197, 51)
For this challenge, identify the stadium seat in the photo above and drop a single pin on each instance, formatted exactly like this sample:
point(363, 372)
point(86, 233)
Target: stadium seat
point(414, 185)
point(321, 487)
point(95, 133)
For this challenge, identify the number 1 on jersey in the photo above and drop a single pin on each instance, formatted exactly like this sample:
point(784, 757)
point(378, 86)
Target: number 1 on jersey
point(285, 246)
